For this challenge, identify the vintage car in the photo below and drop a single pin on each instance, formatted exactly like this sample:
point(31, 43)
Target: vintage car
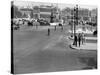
point(43, 22)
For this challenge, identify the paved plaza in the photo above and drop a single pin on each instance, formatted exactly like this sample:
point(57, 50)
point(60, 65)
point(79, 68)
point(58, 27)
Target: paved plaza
point(44, 34)
point(35, 51)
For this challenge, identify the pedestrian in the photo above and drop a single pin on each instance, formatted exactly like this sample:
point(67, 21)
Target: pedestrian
point(75, 40)
point(83, 38)
point(48, 31)
point(79, 39)
point(36, 24)
point(61, 28)
point(55, 27)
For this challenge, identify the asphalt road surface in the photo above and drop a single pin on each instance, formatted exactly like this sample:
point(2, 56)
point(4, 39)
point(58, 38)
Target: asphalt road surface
point(36, 52)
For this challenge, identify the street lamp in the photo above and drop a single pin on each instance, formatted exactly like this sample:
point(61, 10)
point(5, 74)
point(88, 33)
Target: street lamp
point(75, 21)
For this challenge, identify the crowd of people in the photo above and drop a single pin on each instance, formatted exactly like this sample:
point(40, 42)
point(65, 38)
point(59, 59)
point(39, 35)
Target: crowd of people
point(79, 39)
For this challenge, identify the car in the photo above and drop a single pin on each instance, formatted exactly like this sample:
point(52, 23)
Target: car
point(60, 24)
point(30, 23)
point(91, 23)
point(43, 22)
point(95, 32)
point(16, 27)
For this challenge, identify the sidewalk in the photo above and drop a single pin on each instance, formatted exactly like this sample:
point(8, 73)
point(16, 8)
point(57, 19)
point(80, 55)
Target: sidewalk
point(86, 46)
point(87, 38)
point(91, 38)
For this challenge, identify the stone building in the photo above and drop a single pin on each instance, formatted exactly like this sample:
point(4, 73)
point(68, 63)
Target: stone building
point(41, 11)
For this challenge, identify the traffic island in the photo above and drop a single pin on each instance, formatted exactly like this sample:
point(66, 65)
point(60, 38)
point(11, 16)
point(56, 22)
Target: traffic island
point(85, 46)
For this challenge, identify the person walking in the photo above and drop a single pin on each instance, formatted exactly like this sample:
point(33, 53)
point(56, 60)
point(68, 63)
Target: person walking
point(76, 40)
point(82, 38)
point(79, 39)
point(61, 28)
point(48, 31)
point(55, 27)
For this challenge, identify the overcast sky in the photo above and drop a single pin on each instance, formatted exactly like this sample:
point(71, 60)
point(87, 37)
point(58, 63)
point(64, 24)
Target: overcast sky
point(61, 6)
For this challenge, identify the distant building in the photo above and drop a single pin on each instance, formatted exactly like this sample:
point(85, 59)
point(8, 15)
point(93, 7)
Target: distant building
point(45, 12)
point(41, 11)
point(93, 15)
point(83, 14)
point(26, 12)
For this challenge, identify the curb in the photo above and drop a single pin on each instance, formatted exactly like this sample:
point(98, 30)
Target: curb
point(71, 46)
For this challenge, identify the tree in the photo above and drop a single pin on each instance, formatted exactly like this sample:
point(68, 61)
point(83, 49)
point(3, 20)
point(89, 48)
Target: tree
point(15, 11)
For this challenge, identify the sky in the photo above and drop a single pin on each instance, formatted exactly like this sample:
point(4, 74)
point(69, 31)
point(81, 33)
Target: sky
point(61, 6)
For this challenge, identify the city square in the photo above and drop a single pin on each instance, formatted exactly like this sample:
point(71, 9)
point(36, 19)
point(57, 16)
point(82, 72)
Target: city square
point(44, 36)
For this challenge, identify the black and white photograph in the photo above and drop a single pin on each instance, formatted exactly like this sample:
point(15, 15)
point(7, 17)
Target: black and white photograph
point(53, 37)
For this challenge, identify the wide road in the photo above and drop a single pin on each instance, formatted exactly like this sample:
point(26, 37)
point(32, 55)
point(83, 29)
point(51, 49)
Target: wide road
point(35, 52)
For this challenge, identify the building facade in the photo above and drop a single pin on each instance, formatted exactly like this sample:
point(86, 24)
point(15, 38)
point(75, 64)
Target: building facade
point(26, 12)
point(46, 12)
point(41, 11)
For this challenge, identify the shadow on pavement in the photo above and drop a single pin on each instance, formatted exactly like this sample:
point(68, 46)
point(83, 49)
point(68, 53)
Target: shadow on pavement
point(91, 62)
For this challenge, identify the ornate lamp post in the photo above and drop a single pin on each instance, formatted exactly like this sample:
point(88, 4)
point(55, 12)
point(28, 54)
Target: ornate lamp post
point(75, 21)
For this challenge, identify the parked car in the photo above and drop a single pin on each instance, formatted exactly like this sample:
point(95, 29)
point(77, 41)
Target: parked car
point(16, 27)
point(30, 23)
point(90, 23)
point(95, 32)
point(43, 22)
